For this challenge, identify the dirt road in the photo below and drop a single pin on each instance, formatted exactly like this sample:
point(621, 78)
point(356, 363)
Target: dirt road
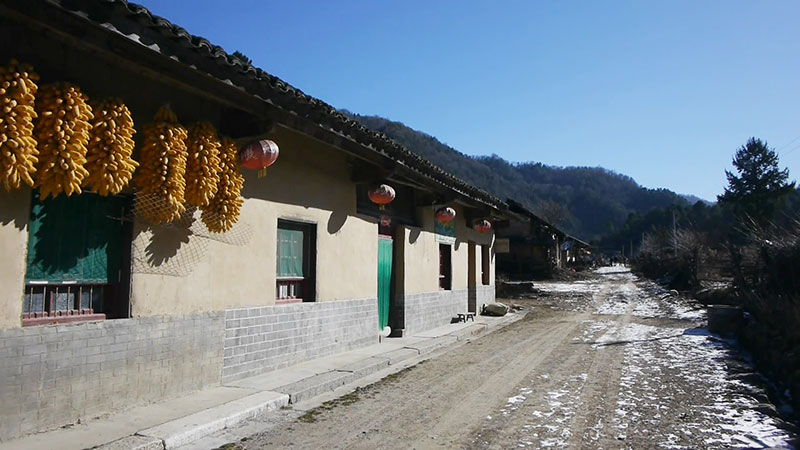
point(604, 363)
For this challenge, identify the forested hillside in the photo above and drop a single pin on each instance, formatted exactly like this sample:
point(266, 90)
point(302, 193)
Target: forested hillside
point(585, 201)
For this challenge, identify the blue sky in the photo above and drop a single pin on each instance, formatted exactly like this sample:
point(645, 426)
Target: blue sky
point(663, 91)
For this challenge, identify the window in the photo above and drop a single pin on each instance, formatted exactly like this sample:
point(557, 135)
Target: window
point(485, 264)
point(78, 262)
point(445, 270)
point(295, 262)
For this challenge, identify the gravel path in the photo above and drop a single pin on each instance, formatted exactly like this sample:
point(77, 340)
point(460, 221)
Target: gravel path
point(605, 363)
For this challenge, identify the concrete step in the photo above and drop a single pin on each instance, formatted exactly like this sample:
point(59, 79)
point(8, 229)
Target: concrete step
point(194, 426)
point(431, 345)
point(134, 443)
point(315, 385)
point(366, 366)
point(400, 355)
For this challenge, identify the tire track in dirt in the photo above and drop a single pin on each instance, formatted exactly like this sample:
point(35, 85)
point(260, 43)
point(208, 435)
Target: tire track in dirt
point(570, 391)
point(504, 426)
point(615, 371)
point(477, 404)
point(599, 399)
point(435, 403)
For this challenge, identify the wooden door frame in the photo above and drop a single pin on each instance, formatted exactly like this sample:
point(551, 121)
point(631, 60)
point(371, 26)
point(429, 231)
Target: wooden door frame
point(472, 286)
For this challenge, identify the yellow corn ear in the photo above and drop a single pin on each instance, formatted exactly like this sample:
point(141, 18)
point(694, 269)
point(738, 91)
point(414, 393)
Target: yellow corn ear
point(223, 210)
point(109, 156)
point(202, 164)
point(18, 152)
point(160, 176)
point(62, 130)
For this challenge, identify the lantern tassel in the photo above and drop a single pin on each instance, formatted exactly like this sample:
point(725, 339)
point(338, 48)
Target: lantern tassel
point(262, 172)
point(382, 207)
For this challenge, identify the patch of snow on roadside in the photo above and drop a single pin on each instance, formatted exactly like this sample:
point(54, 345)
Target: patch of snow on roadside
point(605, 270)
point(683, 379)
point(575, 286)
point(591, 330)
point(633, 333)
point(619, 301)
point(514, 402)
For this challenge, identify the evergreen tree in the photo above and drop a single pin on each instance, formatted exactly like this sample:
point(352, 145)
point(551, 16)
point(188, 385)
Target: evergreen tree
point(759, 186)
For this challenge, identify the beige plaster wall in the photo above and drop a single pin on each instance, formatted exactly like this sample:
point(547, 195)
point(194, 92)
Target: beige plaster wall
point(15, 211)
point(479, 259)
point(459, 262)
point(421, 254)
point(308, 183)
point(421, 261)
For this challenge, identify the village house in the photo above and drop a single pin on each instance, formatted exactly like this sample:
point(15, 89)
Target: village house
point(102, 309)
point(533, 248)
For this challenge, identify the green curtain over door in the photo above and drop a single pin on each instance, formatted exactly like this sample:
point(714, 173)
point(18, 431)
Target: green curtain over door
point(384, 280)
point(76, 238)
point(290, 253)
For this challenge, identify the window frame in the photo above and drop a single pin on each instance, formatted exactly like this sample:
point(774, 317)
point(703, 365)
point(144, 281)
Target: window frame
point(71, 298)
point(298, 289)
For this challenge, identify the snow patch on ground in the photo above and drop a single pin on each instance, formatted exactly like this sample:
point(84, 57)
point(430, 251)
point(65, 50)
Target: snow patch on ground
point(550, 425)
point(606, 270)
point(576, 286)
point(675, 388)
point(721, 409)
point(634, 333)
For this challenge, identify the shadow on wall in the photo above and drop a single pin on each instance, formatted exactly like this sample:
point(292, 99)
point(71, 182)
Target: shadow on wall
point(413, 235)
point(15, 207)
point(165, 242)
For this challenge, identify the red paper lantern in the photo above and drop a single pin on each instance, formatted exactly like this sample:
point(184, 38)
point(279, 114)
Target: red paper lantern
point(482, 226)
point(258, 156)
point(381, 194)
point(446, 214)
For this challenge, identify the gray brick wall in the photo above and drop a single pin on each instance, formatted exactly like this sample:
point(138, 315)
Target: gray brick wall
point(51, 376)
point(431, 309)
point(485, 294)
point(261, 339)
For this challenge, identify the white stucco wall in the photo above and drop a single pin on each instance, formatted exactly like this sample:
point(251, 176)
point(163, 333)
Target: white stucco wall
point(310, 183)
point(15, 210)
point(421, 254)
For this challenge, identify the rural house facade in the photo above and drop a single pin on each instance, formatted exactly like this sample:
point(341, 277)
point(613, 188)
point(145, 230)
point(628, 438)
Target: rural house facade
point(102, 309)
point(535, 248)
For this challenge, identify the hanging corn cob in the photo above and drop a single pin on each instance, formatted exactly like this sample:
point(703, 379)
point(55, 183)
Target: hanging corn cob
point(17, 145)
point(62, 131)
point(162, 167)
point(108, 158)
point(202, 165)
point(223, 211)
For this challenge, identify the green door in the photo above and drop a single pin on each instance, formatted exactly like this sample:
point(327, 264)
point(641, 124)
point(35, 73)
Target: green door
point(384, 279)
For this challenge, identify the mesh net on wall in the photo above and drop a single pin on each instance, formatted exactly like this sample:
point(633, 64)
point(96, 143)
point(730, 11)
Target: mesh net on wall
point(175, 248)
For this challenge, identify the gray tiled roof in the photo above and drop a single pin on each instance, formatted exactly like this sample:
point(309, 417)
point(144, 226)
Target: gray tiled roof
point(130, 20)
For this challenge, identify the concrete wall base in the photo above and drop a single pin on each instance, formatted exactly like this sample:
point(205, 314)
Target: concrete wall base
point(262, 339)
point(52, 376)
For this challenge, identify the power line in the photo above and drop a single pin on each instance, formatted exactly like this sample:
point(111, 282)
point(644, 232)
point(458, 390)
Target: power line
point(787, 144)
point(791, 150)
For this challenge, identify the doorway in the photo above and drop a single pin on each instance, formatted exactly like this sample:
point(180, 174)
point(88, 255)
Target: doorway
point(472, 293)
point(385, 246)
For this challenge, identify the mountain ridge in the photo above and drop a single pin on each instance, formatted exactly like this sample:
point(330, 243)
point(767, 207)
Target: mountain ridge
point(587, 202)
